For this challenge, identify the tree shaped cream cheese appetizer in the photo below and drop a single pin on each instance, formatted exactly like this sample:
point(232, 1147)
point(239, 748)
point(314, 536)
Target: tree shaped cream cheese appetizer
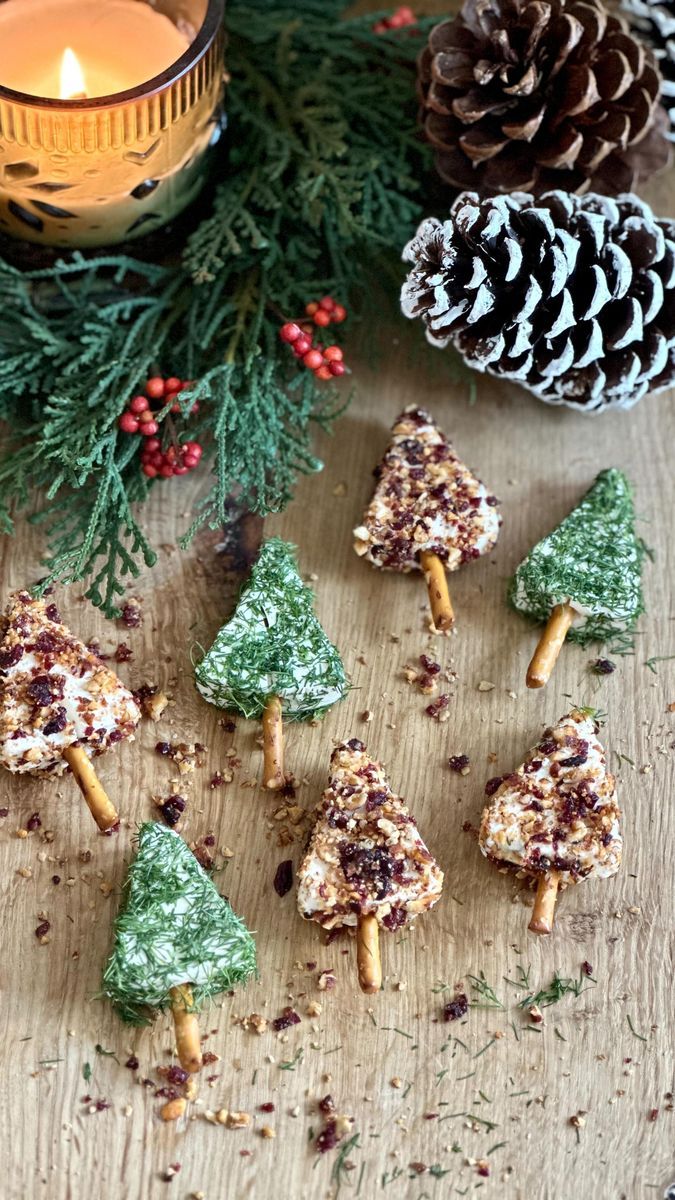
point(583, 579)
point(272, 659)
point(556, 818)
point(428, 512)
point(366, 866)
point(177, 941)
point(59, 704)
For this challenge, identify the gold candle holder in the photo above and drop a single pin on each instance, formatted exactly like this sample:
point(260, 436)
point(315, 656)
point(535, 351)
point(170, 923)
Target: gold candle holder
point(99, 171)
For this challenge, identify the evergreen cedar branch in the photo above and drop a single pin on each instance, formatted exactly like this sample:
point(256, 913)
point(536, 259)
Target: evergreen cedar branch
point(173, 927)
point(322, 175)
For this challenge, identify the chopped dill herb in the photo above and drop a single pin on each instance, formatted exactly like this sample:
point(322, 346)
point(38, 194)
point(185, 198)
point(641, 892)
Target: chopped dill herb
point(405, 1093)
point(557, 988)
point(340, 1172)
point(558, 1034)
point(437, 1171)
point(485, 1047)
point(651, 662)
point(469, 1076)
point(86, 1072)
point(291, 1064)
point(497, 1146)
point(488, 996)
point(634, 1030)
point(106, 1053)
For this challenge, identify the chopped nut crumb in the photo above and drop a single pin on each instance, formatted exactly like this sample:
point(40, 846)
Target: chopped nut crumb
point(173, 1109)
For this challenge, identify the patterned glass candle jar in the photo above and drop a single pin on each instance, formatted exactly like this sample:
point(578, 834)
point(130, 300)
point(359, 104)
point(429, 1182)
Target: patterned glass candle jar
point(107, 111)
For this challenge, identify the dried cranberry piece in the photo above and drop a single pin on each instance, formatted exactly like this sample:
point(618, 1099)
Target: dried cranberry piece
point(457, 1008)
point(283, 877)
point(52, 613)
point(431, 667)
point(132, 1063)
point(492, 785)
point(587, 968)
point(42, 929)
point(288, 1017)
point(326, 1106)
point(45, 689)
point(33, 822)
point(57, 723)
point(171, 810)
point(372, 867)
point(458, 763)
point(267, 1107)
point(375, 799)
point(548, 746)
point(394, 919)
point(4, 812)
point(603, 666)
point(328, 1138)
point(123, 653)
point(131, 615)
point(9, 658)
point(46, 642)
point(163, 748)
point(577, 760)
point(356, 745)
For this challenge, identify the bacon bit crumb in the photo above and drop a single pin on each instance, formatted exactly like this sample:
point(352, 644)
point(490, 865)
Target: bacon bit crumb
point(173, 1110)
point(327, 980)
point(418, 1167)
point(268, 1107)
point(653, 1114)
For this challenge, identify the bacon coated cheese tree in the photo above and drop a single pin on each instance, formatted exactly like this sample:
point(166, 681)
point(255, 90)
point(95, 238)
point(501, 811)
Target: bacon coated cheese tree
point(555, 818)
point(177, 941)
point(584, 578)
point(428, 512)
point(59, 704)
point(366, 866)
point(272, 659)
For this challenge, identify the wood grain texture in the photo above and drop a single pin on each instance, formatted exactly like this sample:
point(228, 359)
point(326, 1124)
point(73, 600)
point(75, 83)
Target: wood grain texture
point(539, 461)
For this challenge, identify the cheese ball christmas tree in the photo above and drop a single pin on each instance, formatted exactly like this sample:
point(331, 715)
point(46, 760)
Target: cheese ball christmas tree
point(584, 578)
point(556, 818)
point(366, 865)
point(428, 513)
point(272, 659)
point(59, 704)
point(177, 941)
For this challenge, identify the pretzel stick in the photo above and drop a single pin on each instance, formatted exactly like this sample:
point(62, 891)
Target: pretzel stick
point(188, 1043)
point(544, 904)
point(368, 954)
point(437, 585)
point(549, 645)
point(273, 745)
point(101, 808)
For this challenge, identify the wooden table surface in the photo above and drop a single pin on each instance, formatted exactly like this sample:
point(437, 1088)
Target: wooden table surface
point(489, 1088)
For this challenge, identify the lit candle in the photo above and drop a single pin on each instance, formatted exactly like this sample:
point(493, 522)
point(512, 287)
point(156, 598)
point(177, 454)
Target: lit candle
point(84, 48)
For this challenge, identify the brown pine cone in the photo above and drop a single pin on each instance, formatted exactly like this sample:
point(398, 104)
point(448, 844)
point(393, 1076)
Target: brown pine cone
point(531, 95)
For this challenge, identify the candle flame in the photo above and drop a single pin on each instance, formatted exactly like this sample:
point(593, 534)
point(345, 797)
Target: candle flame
point(73, 86)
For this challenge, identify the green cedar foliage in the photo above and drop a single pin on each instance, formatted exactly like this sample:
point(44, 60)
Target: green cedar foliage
point(322, 178)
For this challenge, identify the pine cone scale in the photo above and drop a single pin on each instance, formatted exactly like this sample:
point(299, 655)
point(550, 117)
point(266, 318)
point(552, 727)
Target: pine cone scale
point(520, 94)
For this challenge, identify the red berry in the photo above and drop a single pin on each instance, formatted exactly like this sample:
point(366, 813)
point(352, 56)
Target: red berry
point(380, 27)
point(327, 303)
point(154, 387)
point(313, 359)
point(172, 384)
point(290, 332)
point(149, 470)
point(166, 471)
point(337, 368)
point(333, 354)
point(149, 428)
point(175, 408)
point(128, 423)
point(321, 317)
point(190, 462)
point(181, 470)
point(407, 14)
point(302, 345)
point(194, 448)
point(139, 405)
point(151, 446)
point(339, 313)
point(323, 372)
point(311, 308)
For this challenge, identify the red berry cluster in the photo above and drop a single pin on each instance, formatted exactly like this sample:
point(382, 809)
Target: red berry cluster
point(326, 362)
point(398, 19)
point(140, 418)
